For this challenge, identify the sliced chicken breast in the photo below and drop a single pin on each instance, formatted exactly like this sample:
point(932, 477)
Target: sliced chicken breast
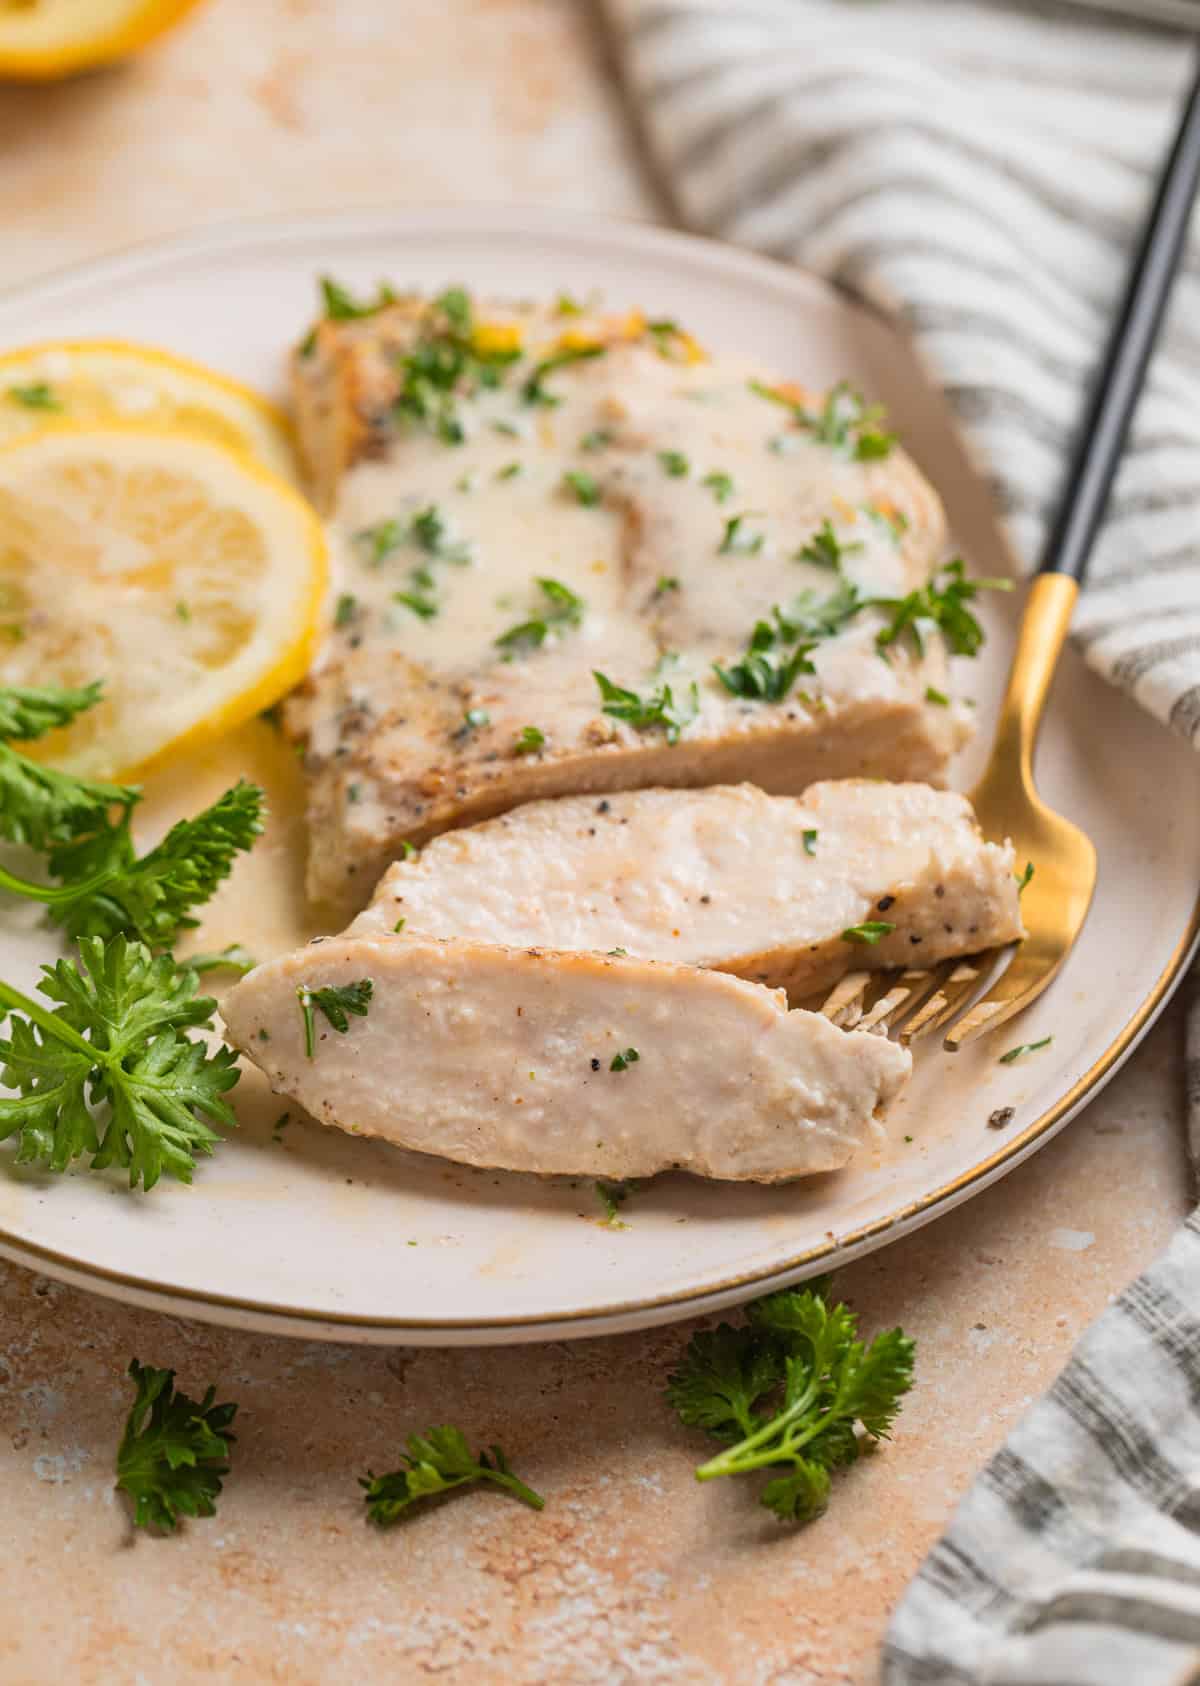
point(535, 1060)
point(762, 886)
point(575, 556)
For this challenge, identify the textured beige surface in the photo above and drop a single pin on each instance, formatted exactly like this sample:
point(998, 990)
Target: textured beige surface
point(633, 1572)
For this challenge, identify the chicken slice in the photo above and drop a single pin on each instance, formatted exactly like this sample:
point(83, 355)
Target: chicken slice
point(537, 1060)
point(723, 553)
point(730, 878)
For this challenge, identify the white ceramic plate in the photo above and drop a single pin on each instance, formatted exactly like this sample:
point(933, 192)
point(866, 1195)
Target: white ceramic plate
point(326, 1235)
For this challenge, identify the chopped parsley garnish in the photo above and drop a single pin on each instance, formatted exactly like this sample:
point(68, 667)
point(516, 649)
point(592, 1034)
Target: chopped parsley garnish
point(174, 1451)
point(109, 1071)
point(941, 602)
point(781, 649)
point(529, 740)
point(664, 584)
point(565, 305)
point(660, 708)
point(437, 1462)
point(562, 609)
point(340, 305)
point(408, 851)
point(809, 840)
point(38, 395)
point(870, 932)
point(420, 602)
point(336, 1002)
point(719, 484)
point(534, 389)
point(430, 530)
point(797, 1392)
point(612, 1196)
point(675, 464)
point(845, 422)
point(449, 360)
point(399, 926)
point(825, 549)
point(1025, 1048)
point(596, 440)
point(381, 540)
point(737, 539)
point(1025, 877)
point(623, 1060)
point(933, 695)
point(662, 332)
point(347, 609)
point(585, 487)
point(510, 471)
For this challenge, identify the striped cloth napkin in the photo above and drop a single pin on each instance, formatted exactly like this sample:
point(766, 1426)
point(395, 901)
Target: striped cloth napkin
point(977, 172)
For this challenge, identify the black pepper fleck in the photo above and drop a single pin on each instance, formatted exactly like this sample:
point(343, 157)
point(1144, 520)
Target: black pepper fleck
point(884, 902)
point(595, 1065)
point(603, 807)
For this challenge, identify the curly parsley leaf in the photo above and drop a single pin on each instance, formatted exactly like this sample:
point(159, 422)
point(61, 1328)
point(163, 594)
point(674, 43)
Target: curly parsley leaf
point(660, 708)
point(109, 1071)
point(437, 1462)
point(174, 1451)
point(233, 958)
point(40, 805)
point(337, 1002)
point(795, 1391)
point(107, 889)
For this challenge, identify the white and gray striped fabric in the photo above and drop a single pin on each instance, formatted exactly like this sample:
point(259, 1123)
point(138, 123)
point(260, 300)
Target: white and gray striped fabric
point(1074, 1560)
point(978, 171)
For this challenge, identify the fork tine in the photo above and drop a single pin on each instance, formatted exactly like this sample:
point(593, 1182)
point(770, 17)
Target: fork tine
point(843, 1005)
point(1022, 983)
point(956, 987)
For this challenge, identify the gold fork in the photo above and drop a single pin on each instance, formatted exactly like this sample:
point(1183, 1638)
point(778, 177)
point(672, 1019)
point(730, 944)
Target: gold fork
point(966, 998)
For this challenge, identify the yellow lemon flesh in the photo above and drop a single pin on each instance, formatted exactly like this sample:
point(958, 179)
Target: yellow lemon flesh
point(111, 380)
point(181, 573)
point(41, 40)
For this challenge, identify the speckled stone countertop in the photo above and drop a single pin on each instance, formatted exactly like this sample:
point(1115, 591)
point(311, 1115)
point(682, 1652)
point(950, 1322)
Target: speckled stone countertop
point(633, 1572)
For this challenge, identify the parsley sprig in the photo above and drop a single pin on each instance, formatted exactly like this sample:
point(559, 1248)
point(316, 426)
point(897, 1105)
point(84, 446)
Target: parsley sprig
point(795, 1391)
point(84, 828)
point(448, 361)
point(174, 1451)
point(109, 1069)
point(434, 1463)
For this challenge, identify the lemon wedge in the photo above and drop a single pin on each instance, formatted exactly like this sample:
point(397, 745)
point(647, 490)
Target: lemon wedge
point(181, 573)
point(41, 40)
point(112, 380)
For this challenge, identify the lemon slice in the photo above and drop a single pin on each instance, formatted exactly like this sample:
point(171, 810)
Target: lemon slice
point(44, 39)
point(111, 380)
point(183, 574)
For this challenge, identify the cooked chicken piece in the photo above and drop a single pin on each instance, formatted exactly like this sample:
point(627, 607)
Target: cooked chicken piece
point(763, 886)
point(534, 1060)
point(601, 503)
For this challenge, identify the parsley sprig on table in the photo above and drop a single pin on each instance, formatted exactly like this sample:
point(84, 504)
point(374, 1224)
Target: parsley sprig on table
point(83, 826)
point(173, 1454)
point(437, 1462)
point(794, 1391)
point(109, 1070)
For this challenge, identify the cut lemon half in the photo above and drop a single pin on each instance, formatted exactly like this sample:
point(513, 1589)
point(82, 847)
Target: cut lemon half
point(183, 574)
point(44, 39)
point(112, 380)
